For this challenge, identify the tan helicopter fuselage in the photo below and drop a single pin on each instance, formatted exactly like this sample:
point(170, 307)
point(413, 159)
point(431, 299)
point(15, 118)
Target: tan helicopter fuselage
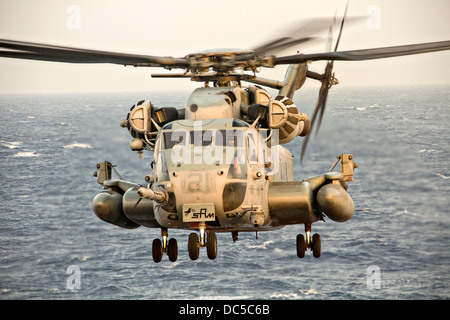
point(221, 178)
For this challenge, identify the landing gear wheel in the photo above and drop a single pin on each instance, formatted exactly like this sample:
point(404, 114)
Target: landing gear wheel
point(316, 248)
point(193, 246)
point(157, 250)
point(211, 246)
point(172, 250)
point(301, 246)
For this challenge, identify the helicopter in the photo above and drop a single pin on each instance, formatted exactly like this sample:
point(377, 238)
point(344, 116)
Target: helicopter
point(219, 164)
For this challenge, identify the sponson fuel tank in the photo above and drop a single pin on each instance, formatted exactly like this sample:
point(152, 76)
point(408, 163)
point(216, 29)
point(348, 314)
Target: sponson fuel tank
point(121, 205)
point(335, 202)
point(107, 205)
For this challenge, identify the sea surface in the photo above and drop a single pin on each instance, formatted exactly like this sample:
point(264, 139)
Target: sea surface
point(396, 246)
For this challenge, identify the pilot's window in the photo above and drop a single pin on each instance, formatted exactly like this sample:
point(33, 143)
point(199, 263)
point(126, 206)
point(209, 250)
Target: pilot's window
point(220, 138)
point(230, 138)
point(184, 138)
point(230, 141)
point(233, 144)
point(208, 137)
point(201, 138)
point(177, 137)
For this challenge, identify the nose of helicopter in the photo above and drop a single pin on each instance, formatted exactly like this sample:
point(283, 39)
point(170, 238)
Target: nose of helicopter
point(215, 185)
point(199, 186)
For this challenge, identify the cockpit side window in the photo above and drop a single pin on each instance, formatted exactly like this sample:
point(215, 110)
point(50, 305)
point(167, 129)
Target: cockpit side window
point(162, 172)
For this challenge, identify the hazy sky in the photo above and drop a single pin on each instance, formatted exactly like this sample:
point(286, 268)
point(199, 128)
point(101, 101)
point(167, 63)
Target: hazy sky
point(179, 27)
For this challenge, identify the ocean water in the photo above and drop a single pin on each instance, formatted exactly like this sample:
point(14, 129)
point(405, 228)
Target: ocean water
point(50, 144)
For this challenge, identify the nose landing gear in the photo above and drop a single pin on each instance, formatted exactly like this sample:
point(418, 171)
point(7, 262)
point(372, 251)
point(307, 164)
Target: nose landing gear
point(312, 244)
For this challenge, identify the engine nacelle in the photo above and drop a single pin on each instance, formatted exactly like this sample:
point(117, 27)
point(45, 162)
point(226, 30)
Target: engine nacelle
point(291, 202)
point(144, 119)
point(280, 114)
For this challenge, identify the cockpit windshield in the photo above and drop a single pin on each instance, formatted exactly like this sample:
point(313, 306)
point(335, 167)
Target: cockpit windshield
point(208, 147)
point(221, 138)
point(184, 138)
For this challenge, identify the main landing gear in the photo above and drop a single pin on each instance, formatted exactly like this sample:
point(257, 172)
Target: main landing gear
point(194, 244)
point(312, 244)
point(159, 248)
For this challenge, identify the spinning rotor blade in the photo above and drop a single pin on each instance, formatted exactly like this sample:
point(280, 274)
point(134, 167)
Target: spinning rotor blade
point(270, 44)
point(356, 55)
point(342, 27)
point(289, 43)
point(36, 51)
point(275, 46)
point(319, 103)
point(303, 32)
point(328, 76)
point(366, 54)
point(327, 81)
